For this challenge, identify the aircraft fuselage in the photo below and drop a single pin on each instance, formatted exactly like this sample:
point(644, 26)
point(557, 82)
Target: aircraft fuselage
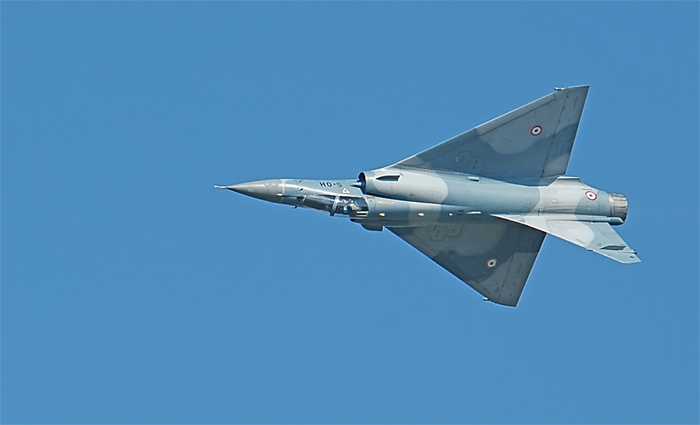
point(413, 198)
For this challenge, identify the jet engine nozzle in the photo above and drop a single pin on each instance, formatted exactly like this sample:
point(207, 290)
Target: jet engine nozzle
point(618, 206)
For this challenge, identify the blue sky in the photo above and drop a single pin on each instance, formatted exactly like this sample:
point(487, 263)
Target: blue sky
point(134, 292)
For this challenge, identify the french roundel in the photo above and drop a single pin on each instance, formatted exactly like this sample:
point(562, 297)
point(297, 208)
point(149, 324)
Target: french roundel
point(536, 130)
point(591, 196)
point(491, 263)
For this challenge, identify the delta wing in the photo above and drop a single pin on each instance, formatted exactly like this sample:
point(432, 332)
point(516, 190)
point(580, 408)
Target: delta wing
point(492, 256)
point(524, 145)
point(598, 237)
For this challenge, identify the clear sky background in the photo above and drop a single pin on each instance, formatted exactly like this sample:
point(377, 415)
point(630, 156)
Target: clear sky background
point(134, 292)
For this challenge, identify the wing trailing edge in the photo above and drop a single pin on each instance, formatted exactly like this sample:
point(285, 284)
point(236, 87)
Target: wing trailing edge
point(598, 237)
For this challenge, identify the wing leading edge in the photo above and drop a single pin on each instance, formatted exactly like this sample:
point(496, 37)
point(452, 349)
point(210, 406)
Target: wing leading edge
point(526, 144)
point(491, 255)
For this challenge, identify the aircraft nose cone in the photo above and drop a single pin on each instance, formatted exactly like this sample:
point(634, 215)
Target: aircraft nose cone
point(267, 190)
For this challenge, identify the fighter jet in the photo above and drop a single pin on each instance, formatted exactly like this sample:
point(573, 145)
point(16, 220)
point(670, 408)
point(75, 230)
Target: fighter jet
point(481, 203)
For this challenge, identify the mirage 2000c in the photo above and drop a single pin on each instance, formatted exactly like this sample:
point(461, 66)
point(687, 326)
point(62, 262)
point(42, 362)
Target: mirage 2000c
point(480, 203)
